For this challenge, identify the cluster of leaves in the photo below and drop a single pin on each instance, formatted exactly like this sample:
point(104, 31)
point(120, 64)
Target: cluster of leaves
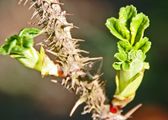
point(132, 48)
point(129, 29)
point(17, 44)
point(21, 48)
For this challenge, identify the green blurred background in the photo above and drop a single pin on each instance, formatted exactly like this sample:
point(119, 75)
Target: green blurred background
point(24, 95)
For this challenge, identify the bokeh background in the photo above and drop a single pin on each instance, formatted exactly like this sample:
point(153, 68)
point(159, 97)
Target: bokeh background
point(24, 95)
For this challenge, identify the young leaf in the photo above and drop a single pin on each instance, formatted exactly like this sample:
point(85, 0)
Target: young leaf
point(118, 29)
point(117, 81)
point(124, 46)
point(138, 25)
point(140, 55)
point(126, 14)
point(131, 88)
point(132, 55)
point(130, 65)
point(27, 42)
point(121, 56)
point(30, 32)
point(125, 66)
point(21, 47)
point(144, 45)
point(29, 59)
point(117, 65)
point(11, 42)
point(2, 51)
point(40, 62)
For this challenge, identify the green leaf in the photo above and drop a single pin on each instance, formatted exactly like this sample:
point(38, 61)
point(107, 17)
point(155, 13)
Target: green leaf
point(126, 66)
point(146, 65)
point(17, 50)
point(117, 65)
point(117, 82)
point(131, 88)
point(2, 51)
point(121, 56)
point(136, 54)
point(30, 58)
point(132, 55)
point(138, 25)
point(10, 43)
point(18, 44)
point(126, 14)
point(27, 42)
point(130, 65)
point(21, 47)
point(30, 32)
point(118, 29)
point(140, 55)
point(144, 45)
point(124, 46)
point(39, 63)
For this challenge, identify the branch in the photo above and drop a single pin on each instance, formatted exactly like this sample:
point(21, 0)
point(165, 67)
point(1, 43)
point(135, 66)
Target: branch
point(73, 68)
point(76, 68)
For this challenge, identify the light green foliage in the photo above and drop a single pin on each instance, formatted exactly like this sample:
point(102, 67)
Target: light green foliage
point(138, 24)
point(132, 48)
point(21, 48)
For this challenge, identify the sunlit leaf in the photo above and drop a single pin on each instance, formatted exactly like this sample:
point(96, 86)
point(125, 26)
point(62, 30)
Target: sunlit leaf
point(124, 46)
point(138, 25)
point(131, 88)
point(126, 14)
point(126, 66)
point(39, 63)
point(132, 48)
point(29, 32)
point(10, 43)
point(118, 29)
point(144, 45)
point(21, 48)
point(117, 65)
point(27, 42)
point(121, 56)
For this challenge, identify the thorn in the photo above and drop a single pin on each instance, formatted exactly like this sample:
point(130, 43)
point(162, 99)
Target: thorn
point(32, 5)
point(54, 81)
point(83, 51)
point(69, 14)
point(34, 14)
point(80, 40)
point(79, 102)
point(127, 115)
point(76, 27)
point(67, 87)
point(100, 66)
point(25, 2)
point(53, 53)
point(57, 3)
point(97, 58)
point(40, 44)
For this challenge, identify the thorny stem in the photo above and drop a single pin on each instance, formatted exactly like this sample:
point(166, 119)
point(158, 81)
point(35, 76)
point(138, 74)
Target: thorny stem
point(76, 68)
